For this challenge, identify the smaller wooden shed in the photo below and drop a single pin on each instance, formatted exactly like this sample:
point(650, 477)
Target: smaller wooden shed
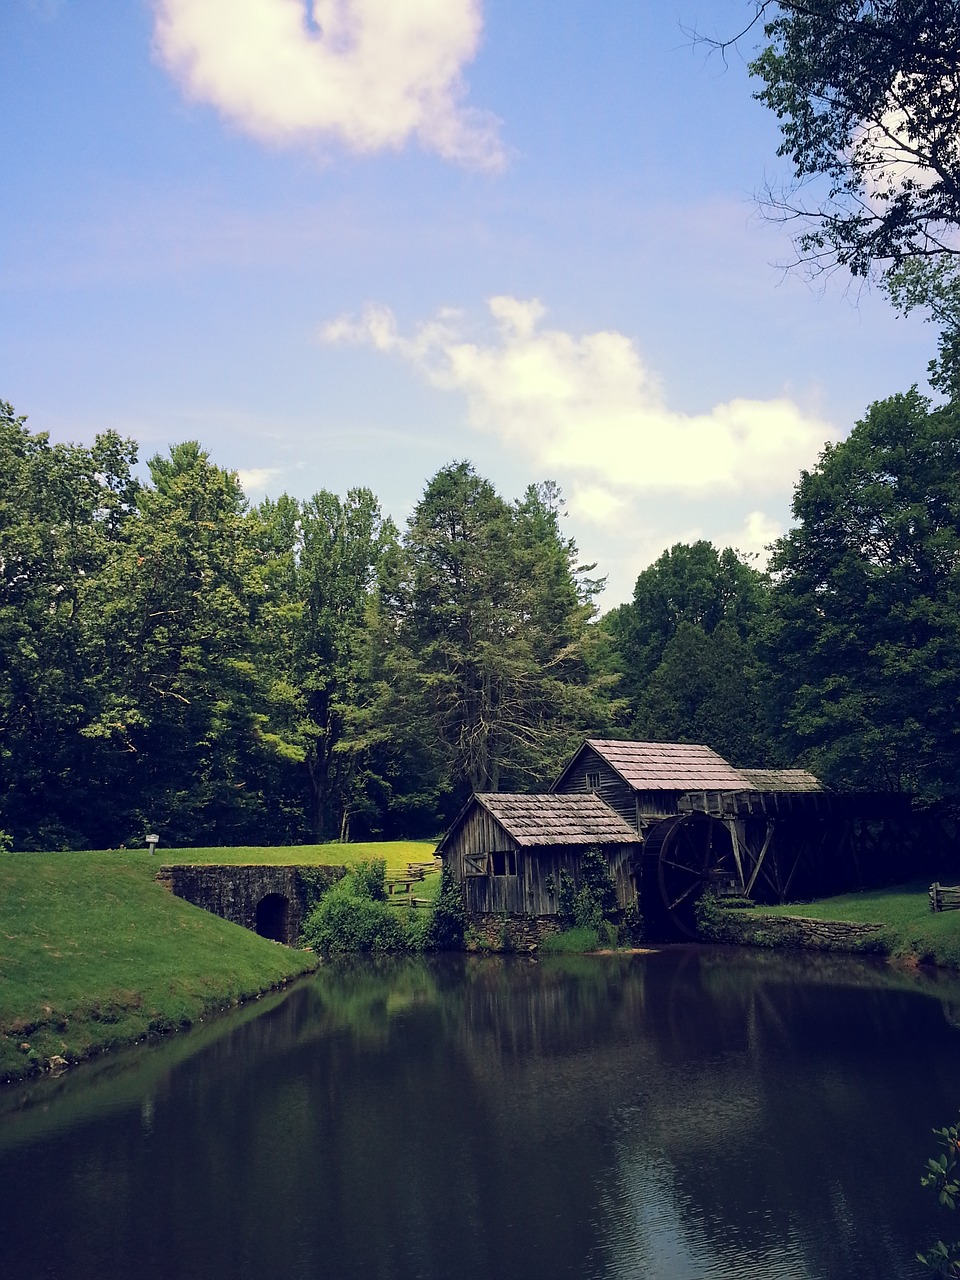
point(507, 851)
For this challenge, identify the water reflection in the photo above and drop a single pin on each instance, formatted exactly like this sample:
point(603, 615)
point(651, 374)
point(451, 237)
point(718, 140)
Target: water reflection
point(691, 1113)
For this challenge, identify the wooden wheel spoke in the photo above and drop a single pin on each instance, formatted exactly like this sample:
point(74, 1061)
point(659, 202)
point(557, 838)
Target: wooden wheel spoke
point(691, 888)
point(681, 866)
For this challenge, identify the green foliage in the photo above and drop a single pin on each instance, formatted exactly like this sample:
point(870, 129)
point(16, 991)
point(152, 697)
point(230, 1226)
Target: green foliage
point(353, 915)
point(63, 509)
point(863, 644)
point(933, 286)
point(588, 909)
point(706, 689)
point(448, 919)
point(710, 918)
point(480, 641)
point(685, 650)
point(573, 941)
point(325, 556)
point(866, 95)
point(369, 879)
point(943, 1177)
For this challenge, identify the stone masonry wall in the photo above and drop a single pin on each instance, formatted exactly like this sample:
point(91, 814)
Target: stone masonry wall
point(750, 928)
point(235, 892)
point(498, 932)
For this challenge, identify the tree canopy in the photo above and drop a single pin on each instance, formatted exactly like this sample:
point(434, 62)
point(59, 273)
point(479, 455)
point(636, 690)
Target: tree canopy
point(175, 659)
point(867, 93)
point(483, 631)
point(864, 639)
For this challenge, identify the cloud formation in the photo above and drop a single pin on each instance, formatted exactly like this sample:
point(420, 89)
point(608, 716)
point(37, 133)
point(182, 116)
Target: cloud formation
point(256, 479)
point(369, 73)
point(587, 405)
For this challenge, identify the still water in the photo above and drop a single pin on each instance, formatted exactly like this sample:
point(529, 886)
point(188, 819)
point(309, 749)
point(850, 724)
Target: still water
point(686, 1114)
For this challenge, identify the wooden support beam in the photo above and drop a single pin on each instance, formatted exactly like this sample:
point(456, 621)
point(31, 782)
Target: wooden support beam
point(732, 827)
point(760, 857)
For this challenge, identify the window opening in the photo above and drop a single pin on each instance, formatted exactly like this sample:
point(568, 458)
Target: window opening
point(593, 782)
point(504, 862)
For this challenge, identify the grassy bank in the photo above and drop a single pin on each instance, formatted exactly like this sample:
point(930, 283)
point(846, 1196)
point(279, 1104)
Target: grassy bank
point(94, 954)
point(911, 931)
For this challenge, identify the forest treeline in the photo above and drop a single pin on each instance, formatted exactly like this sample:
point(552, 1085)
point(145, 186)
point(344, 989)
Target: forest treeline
point(174, 658)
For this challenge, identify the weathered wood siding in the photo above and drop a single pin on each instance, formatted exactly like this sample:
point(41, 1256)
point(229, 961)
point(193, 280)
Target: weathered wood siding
point(527, 892)
point(651, 806)
point(613, 790)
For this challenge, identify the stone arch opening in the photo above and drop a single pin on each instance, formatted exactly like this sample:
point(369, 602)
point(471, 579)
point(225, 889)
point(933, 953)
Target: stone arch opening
point(272, 916)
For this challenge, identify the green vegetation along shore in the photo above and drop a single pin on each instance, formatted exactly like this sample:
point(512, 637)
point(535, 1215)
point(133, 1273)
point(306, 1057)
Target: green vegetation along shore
point(95, 955)
point(908, 930)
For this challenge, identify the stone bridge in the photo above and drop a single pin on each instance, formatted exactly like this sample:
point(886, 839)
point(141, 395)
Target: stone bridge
point(270, 900)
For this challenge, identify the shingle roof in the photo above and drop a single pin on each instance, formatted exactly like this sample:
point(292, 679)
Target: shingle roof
point(782, 780)
point(556, 819)
point(669, 766)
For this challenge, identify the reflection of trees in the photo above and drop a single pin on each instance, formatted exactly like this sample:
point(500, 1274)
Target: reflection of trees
point(474, 1116)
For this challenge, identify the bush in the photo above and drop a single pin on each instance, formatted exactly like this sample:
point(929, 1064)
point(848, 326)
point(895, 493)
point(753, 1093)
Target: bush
point(448, 920)
point(353, 915)
point(588, 909)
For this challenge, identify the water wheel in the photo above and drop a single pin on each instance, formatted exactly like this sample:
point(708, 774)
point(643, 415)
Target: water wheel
point(684, 854)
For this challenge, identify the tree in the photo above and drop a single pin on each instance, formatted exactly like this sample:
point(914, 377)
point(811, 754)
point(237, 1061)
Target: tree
point(691, 583)
point(178, 679)
point(706, 689)
point(868, 97)
point(63, 510)
point(480, 638)
point(864, 634)
point(325, 555)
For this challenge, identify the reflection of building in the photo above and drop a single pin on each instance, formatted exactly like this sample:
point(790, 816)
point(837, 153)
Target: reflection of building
point(671, 818)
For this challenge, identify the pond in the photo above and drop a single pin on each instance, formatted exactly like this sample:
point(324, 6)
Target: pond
point(690, 1113)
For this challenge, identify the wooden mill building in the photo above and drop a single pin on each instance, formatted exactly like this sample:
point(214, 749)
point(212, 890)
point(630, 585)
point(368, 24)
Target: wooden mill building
point(672, 819)
point(507, 851)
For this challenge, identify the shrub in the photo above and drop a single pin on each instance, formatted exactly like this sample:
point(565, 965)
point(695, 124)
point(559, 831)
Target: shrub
point(353, 915)
point(588, 909)
point(448, 921)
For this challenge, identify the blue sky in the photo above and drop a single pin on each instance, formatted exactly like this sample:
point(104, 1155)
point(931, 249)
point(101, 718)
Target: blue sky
point(346, 242)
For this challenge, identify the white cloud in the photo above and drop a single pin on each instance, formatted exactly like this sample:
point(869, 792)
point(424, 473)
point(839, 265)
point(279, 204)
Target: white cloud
point(753, 537)
point(256, 479)
point(597, 504)
point(369, 73)
point(588, 406)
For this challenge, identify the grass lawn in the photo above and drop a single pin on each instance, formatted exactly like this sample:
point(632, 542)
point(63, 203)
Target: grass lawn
point(94, 954)
point(911, 930)
point(396, 854)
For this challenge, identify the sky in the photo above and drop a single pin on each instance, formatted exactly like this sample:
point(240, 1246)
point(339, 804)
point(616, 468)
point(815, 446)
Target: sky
point(346, 242)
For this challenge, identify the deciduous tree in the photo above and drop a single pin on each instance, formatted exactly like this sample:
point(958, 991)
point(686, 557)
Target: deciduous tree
point(63, 509)
point(867, 93)
point(865, 626)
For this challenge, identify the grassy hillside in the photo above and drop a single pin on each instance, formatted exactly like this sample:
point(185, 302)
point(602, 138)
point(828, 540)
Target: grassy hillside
point(94, 954)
